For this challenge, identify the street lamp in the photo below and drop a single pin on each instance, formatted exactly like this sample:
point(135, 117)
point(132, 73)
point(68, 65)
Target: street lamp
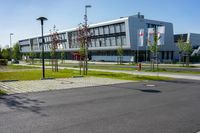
point(11, 34)
point(11, 39)
point(86, 41)
point(42, 19)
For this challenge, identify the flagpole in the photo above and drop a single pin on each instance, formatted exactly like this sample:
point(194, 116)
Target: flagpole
point(146, 53)
point(137, 54)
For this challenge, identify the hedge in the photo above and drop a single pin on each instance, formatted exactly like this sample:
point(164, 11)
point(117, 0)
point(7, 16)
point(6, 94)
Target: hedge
point(3, 62)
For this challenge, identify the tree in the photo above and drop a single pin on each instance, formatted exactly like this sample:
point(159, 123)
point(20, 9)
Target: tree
point(0, 53)
point(120, 53)
point(82, 56)
point(32, 55)
point(16, 52)
point(62, 55)
point(83, 51)
point(6, 53)
point(185, 49)
point(154, 49)
point(55, 41)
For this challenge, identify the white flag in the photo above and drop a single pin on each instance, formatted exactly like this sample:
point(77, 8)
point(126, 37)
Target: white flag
point(151, 33)
point(141, 37)
point(161, 35)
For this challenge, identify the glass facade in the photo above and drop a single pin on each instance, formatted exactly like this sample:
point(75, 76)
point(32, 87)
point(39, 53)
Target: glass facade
point(102, 36)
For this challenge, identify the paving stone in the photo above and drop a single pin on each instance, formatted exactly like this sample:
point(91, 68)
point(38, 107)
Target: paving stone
point(56, 84)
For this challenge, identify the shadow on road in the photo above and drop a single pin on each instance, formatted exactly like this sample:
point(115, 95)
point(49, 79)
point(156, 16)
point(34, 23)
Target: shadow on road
point(21, 102)
point(149, 90)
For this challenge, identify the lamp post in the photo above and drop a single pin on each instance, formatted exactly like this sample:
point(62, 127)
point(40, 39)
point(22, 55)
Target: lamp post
point(86, 40)
point(42, 19)
point(11, 34)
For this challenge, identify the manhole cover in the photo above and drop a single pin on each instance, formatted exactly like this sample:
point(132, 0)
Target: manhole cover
point(150, 85)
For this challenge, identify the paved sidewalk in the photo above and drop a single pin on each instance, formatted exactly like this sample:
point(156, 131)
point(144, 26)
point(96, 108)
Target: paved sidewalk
point(56, 84)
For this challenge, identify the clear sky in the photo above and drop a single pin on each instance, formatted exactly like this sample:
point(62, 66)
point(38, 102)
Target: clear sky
point(19, 16)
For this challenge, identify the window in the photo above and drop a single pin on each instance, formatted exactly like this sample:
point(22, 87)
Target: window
point(117, 27)
point(123, 40)
point(107, 41)
point(97, 43)
point(93, 42)
point(123, 27)
point(101, 42)
point(113, 41)
point(92, 32)
point(112, 29)
point(96, 31)
point(106, 30)
point(118, 39)
point(101, 30)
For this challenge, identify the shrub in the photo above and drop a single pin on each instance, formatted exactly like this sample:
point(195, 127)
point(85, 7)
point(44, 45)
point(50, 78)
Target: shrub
point(3, 62)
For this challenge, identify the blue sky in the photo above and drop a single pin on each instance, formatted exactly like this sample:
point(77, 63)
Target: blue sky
point(19, 16)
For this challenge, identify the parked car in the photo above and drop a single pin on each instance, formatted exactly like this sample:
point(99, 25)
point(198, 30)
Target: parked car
point(14, 61)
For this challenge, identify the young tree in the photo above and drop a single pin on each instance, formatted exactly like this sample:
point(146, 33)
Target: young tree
point(120, 53)
point(32, 57)
point(16, 52)
point(81, 39)
point(154, 49)
point(55, 41)
point(62, 55)
point(185, 49)
point(82, 56)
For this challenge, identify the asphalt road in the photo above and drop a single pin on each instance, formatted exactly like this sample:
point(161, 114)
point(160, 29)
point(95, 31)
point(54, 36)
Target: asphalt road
point(169, 107)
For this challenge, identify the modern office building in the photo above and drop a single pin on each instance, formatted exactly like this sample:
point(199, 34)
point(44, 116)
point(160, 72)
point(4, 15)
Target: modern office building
point(192, 38)
point(107, 37)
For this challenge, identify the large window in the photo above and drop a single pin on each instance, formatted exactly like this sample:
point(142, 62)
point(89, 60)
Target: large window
point(117, 27)
point(112, 29)
point(97, 43)
point(96, 30)
point(118, 39)
point(92, 32)
point(124, 40)
point(123, 27)
point(93, 42)
point(113, 41)
point(101, 31)
point(106, 30)
point(107, 41)
point(101, 42)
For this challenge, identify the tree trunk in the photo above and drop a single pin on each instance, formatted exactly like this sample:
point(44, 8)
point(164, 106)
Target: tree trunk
point(187, 60)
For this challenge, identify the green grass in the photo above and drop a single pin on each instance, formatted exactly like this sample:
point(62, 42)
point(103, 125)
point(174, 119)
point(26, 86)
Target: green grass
point(34, 74)
point(2, 92)
point(16, 67)
point(125, 76)
point(66, 73)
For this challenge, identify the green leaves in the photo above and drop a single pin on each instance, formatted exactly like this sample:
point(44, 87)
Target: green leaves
point(184, 47)
point(120, 51)
point(16, 52)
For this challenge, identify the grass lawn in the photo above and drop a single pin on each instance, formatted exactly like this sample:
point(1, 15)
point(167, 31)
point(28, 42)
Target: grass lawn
point(34, 74)
point(15, 67)
point(66, 73)
point(125, 76)
point(127, 67)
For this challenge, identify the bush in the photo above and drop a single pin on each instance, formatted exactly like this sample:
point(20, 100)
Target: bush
point(3, 62)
